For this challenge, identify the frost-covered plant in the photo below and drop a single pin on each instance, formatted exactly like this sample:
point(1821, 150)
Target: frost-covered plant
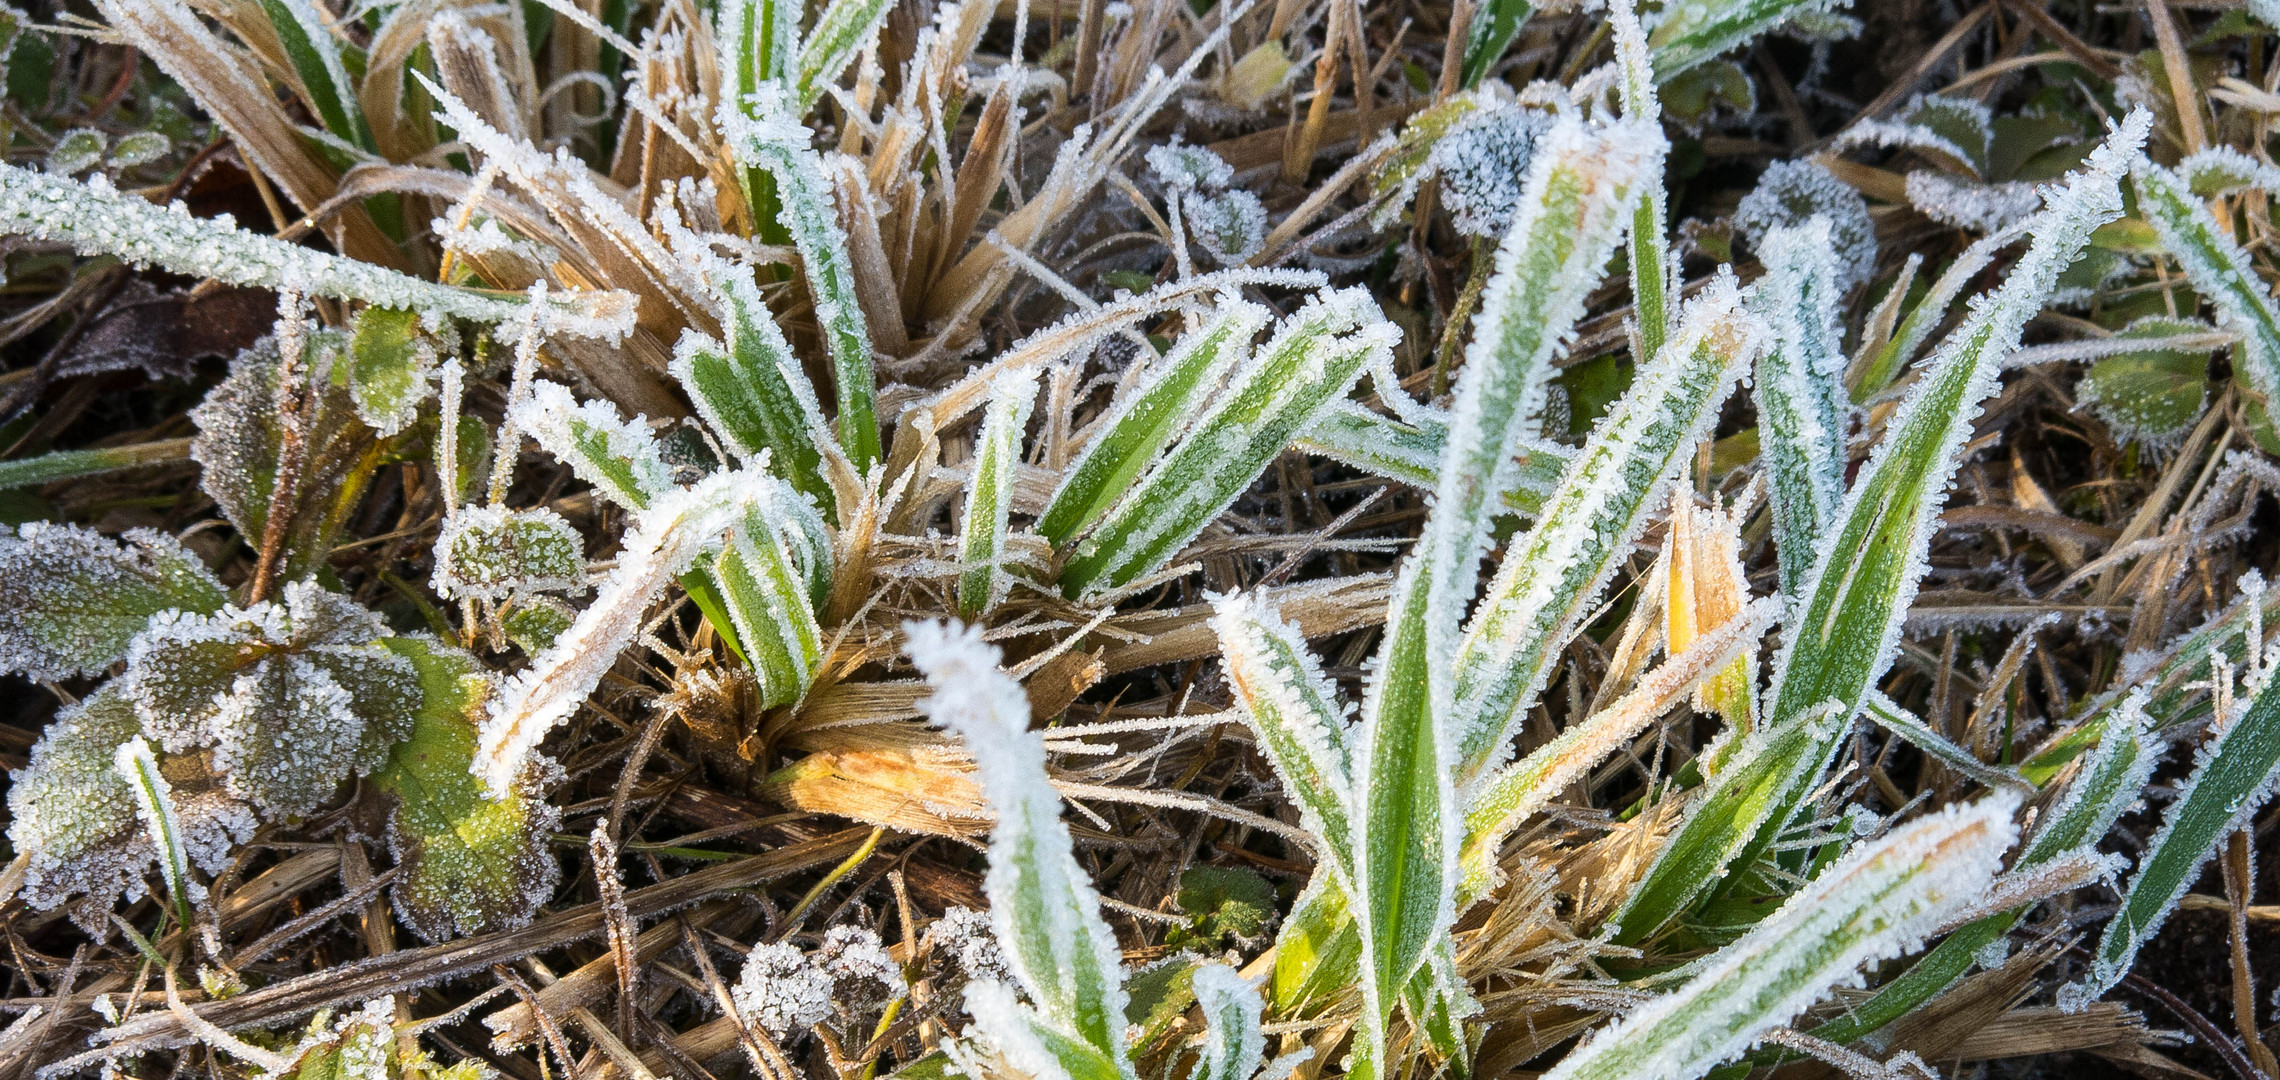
point(1791, 193)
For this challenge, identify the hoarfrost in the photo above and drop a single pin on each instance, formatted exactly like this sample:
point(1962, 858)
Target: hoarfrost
point(1183, 167)
point(1231, 226)
point(782, 990)
point(71, 599)
point(1483, 163)
point(619, 457)
point(864, 977)
point(1968, 204)
point(491, 552)
point(1790, 193)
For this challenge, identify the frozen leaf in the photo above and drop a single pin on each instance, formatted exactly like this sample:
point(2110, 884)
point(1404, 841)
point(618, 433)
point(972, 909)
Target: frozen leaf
point(491, 552)
point(471, 863)
point(1150, 415)
point(388, 363)
point(2219, 270)
point(2222, 170)
point(76, 152)
point(1232, 1041)
point(1224, 902)
point(774, 571)
point(71, 598)
point(154, 804)
point(782, 990)
point(967, 937)
point(1803, 414)
point(1878, 902)
point(1483, 165)
point(292, 697)
point(97, 219)
point(357, 1046)
point(989, 492)
point(1969, 204)
point(864, 976)
point(845, 28)
point(533, 622)
point(2153, 396)
point(1042, 902)
point(680, 526)
point(1791, 193)
point(1494, 25)
point(1295, 713)
point(1231, 225)
point(75, 816)
point(241, 436)
point(751, 390)
point(619, 457)
point(139, 148)
point(1185, 167)
point(1693, 32)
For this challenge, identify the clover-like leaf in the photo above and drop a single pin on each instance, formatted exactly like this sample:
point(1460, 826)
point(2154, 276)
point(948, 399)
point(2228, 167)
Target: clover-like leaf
point(290, 696)
point(389, 360)
point(71, 598)
point(490, 552)
point(2152, 396)
point(471, 863)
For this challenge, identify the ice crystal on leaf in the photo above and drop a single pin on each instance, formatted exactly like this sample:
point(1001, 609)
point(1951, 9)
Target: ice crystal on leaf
point(863, 975)
point(491, 552)
point(1231, 226)
point(1968, 204)
point(1183, 167)
point(76, 818)
point(76, 152)
point(71, 599)
point(389, 361)
point(242, 435)
point(1790, 193)
point(966, 935)
point(292, 697)
point(619, 457)
point(782, 990)
point(1483, 164)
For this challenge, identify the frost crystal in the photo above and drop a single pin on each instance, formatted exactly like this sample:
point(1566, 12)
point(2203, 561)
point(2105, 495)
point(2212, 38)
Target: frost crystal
point(291, 697)
point(967, 936)
point(1966, 204)
point(491, 552)
point(71, 598)
point(619, 457)
point(782, 990)
point(863, 975)
point(1231, 225)
point(1483, 165)
point(1790, 193)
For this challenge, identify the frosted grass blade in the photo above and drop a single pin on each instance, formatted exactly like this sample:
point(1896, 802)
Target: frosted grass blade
point(1929, 312)
point(96, 219)
point(74, 464)
point(1650, 242)
point(1138, 427)
point(620, 458)
point(989, 493)
point(1692, 33)
point(775, 142)
point(1315, 356)
point(1878, 902)
point(765, 594)
point(2234, 773)
point(328, 89)
point(2219, 270)
point(1044, 907)
point(751, 390)
point(1232, 1041)
point(1494, 26)
point(1841, 637)
point(1550, 576)
point(1800, 393)
point(1294, 711)
point(154, 803)
point(1915, 732)
point(1377, 444)
point(840, 32)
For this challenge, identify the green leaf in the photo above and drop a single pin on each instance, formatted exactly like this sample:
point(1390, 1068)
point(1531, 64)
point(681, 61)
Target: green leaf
point(76, 464)
point(766, 596)
point(316, 59)
point(2155, 395)
point(1881, 899)
point(843, 29)
point(989, 493)
point(1694, 32)
point(2234, 773)
point(1224, 902)
point(1144, 421)
point(1232, 1041)
point(620, 458)
point(1842, 633)
point(471, 863)
point(752, 391)
point(1494, 26)
point(533, 622)
point(1294, 712)
point(71, 599)
point(1316, 354)
point(154, 804)
point(2218, 269)
point(389, 359)
point(1379, 445)
point(1800, 393)
point(492, 552)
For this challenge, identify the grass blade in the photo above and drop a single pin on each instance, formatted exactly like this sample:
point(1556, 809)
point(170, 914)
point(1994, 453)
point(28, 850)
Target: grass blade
point(1493, 27)
point(765, 594)
point(843, 29)
point(1878, 902)
point(1846, 626)
point(1800, 392)
point(989, 493)
point(751, 390)
point(1294, 711)
point(316, 59)
point(1043, 905)
point(1142, 424)
point(1232, 1041)
point(1692, 33)
point(75, 464)
point(2219, 270)
point(154, 803)
point(1314, 357)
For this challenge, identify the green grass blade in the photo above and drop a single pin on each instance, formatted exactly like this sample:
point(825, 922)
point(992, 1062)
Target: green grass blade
point(1800, 394)
point(1377, 444)
point(76, 464)
point(620, 458)
point(1841, 637)
point(1650, 240)
point(765, 594)
point(1929, 312)
point(1138, 427)
point(1879, 901)
point(1551, 575)
point(2234, 773)
point(1494, 26)
point(1915, 732)
point(2219, 270)
point(1318, 951)
point(328, 89)
point(778, 145)
point(1294, 711)
point(989, 493)
point(840, 32)
point(751, 390)
point(1314, 357)
point(1044, 907)
point(1692, 33)
point(154, 803)
point(1232, 1041)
